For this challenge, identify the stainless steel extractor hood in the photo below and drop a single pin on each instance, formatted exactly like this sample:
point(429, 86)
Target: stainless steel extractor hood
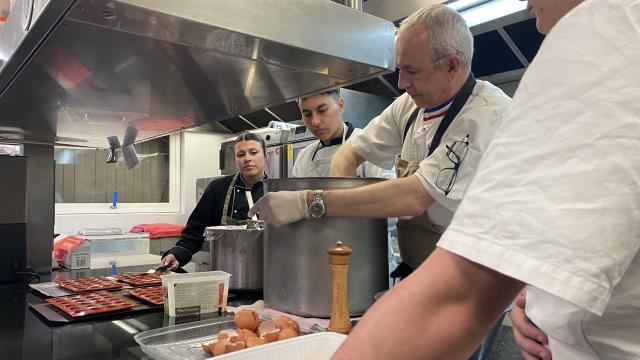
point(77, 71)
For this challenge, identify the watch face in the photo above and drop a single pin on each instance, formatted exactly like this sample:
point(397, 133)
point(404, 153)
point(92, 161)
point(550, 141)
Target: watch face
point(316, 209)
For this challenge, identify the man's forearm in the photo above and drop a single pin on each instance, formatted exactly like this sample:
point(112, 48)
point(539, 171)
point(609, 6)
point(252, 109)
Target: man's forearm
point(345, 161)
point(389, 198)
point(442, 311)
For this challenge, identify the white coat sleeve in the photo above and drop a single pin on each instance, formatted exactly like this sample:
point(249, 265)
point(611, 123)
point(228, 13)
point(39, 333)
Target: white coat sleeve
point(555, 202)
point(381, 139)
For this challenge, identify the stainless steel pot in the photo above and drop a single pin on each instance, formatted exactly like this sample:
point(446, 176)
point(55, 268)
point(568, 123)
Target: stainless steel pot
point(297, 276)
point(240, 253)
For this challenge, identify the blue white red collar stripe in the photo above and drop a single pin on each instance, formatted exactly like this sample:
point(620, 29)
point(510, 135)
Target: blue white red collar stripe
point(439, 107)
point(428, 116)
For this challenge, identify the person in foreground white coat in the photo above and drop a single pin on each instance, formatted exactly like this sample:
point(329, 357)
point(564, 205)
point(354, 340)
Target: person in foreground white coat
point(554, 205)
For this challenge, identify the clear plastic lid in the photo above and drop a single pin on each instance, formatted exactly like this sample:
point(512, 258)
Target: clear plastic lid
point(100, 231)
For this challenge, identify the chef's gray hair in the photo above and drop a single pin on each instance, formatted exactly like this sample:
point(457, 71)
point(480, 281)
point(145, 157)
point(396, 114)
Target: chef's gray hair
point(448, 32)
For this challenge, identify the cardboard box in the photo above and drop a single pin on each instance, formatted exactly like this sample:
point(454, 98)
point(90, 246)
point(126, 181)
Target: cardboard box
point(195, 293)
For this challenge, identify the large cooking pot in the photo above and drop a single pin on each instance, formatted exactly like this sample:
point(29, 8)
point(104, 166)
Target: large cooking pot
point(238, 252)
point(297, 276)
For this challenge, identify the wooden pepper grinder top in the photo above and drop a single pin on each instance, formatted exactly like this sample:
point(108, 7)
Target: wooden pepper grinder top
point(339, 256)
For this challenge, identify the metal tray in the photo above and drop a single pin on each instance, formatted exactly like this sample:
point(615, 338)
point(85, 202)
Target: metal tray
point(182, 342)
point(57, 316)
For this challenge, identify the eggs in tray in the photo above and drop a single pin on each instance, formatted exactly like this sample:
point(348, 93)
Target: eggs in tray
point(252, 332)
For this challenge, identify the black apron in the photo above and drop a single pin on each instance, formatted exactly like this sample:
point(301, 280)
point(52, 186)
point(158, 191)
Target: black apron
point(417, 238)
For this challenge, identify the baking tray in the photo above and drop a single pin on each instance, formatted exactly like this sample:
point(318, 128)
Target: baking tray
point(140, 279)
point(90, 284)
point(57, 316)
point(52, 289)
point(151, 294)
point(91, 303)
point(183, 342)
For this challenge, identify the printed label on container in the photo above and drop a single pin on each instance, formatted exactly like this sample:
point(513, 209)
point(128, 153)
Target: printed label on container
point(204, 296)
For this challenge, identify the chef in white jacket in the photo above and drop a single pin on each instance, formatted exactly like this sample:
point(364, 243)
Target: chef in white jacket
point(322, 113)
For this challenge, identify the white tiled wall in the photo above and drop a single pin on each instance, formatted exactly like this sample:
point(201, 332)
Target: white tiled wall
point(200, 153)
point(201, 159)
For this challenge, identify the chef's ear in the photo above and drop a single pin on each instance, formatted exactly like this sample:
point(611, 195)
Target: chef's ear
point(453, 63)
point(341, 104)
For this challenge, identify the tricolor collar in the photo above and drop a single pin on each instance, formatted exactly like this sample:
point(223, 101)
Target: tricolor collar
point(441, 106)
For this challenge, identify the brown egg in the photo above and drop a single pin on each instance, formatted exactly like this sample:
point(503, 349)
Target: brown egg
point(206, 349)
point(235, 346)
point(247, 319)
point(245, 334)
point(227, 334)
point(287, 333)
point(271, 336)
point(219, 348)
point(266, 326)
point(285, 322)
point(255, 341)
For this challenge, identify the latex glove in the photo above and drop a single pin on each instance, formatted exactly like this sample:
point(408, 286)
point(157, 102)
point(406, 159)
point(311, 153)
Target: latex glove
point(530, 339)
point(282, 207)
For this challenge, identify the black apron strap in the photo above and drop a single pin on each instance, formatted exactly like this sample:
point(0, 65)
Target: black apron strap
point(458, 102)
point(412, 119)
point(401, 271)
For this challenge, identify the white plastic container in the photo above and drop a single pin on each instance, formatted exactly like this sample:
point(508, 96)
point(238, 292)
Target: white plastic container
point(122, 244)
point(318, 346)
point(195, 293)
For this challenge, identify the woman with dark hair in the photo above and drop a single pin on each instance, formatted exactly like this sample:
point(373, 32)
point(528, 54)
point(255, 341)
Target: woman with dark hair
point(224, 201)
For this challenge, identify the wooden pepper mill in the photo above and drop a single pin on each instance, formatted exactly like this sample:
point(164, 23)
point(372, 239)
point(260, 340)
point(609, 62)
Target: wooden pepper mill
point(339, 256)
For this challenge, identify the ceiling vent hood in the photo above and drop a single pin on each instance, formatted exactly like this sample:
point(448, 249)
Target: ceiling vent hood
point(87, 69)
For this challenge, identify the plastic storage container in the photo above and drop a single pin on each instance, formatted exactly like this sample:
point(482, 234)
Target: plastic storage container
point(124, 244)
point(319, 346)
point(195, 293)
point(182, 342)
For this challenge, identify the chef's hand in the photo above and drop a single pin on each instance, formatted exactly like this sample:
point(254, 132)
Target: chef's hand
point(282, 207)
point(170, 259)
point(530, 339)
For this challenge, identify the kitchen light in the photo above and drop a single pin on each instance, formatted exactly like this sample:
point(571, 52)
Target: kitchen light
point(462, 5)
point(488, 11)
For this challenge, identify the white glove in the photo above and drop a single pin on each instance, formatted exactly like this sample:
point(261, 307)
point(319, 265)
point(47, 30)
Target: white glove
point(282, 207)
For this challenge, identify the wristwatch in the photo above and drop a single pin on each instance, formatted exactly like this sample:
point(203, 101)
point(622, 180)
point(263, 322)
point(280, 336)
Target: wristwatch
point(316, 208)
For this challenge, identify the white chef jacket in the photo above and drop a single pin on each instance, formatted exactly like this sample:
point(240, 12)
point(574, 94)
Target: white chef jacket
point(555, 202)
point(315, 160)
point(382, 139)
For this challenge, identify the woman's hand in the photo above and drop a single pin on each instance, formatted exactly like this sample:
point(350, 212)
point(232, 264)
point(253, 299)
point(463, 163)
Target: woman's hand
point(530, 339)
point(170, 259)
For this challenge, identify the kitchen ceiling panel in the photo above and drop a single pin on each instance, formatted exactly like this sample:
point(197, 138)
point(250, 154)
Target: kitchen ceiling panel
point(492, 55)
